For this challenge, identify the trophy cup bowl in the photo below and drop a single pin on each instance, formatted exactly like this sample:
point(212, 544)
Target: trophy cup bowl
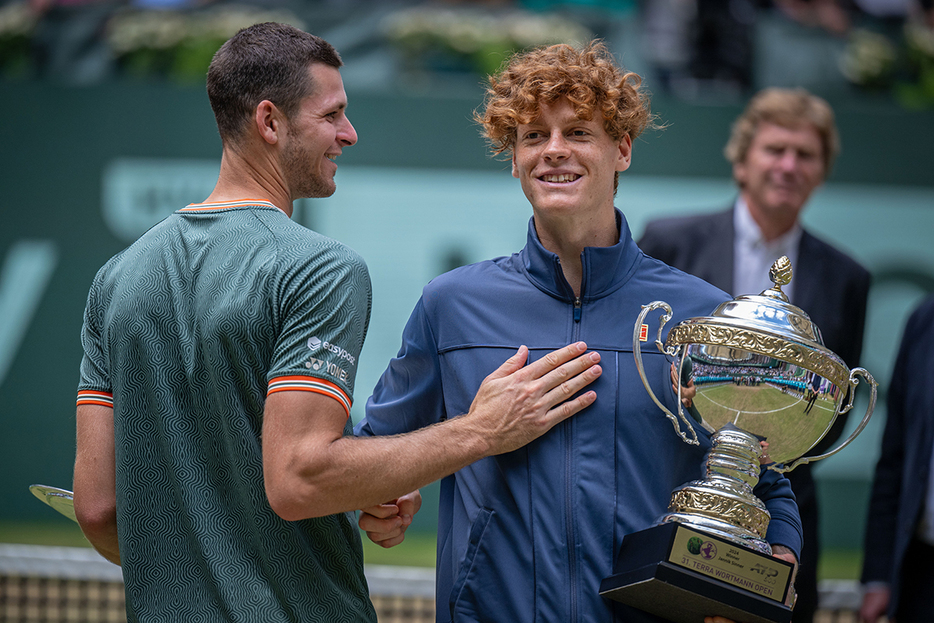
point(767, 390)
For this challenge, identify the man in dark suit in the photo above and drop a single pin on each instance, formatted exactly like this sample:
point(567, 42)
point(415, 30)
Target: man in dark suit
point(898, 560)
point(782, 147)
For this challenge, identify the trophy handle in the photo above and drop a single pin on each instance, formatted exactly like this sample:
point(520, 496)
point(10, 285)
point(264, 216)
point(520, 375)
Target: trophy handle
point(672, 352)
point(853, 382)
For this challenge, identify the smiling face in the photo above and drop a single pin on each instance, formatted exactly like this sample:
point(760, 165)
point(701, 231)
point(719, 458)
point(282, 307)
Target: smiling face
point(316, 135)
point(782, 167)
point(567, 165)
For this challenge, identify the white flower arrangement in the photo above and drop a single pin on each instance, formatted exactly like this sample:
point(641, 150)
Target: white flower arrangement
point(17, 24)
point(180, 44)
point(869, 59)
point(475, 40)
point(905, 68)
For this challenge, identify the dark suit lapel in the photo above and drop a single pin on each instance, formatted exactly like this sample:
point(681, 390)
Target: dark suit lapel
point(806, 282)
point(714, 262)
point(926, 435)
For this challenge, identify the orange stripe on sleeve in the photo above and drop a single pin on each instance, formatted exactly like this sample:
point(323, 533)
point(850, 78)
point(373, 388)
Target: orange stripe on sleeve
point(310, 384)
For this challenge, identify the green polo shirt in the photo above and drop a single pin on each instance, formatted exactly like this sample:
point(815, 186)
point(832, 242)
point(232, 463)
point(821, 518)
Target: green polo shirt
point(185, 334)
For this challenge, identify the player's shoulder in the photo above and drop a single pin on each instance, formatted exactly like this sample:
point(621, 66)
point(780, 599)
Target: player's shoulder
point(488, 281)
point(468, 276)
point(297, 243)
point(134, 256)
point(667, 276)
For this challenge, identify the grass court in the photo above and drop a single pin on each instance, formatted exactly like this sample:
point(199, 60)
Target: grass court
point(765, 409)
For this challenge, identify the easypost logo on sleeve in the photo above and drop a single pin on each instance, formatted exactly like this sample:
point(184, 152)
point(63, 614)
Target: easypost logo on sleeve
point(315, 344)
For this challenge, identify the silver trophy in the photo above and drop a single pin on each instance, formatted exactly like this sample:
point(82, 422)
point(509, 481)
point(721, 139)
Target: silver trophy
point(768, 391)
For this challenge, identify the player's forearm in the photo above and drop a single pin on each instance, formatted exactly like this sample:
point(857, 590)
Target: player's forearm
point(106, 545)
point(97, 518)
point(95, 492)
point(319, 471)
point(352, 473)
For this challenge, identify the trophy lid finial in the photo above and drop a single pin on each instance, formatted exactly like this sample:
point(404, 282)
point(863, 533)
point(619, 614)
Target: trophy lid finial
point(780, 274)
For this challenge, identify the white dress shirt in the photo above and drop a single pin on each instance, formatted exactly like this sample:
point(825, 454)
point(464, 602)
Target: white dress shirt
point(753, 256)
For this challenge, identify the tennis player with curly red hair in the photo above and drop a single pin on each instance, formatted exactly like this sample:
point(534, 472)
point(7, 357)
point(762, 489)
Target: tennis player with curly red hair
point(528, 535)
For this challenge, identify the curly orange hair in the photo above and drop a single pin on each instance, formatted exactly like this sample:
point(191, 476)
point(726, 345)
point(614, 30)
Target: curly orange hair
point(589, 77)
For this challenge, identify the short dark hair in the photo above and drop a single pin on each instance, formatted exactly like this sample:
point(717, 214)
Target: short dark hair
point(268, 61)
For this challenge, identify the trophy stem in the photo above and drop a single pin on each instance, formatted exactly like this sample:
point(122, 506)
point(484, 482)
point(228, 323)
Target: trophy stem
point(735, 456)
point(724, 502)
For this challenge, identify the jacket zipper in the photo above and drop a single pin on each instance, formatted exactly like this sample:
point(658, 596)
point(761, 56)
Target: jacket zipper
point(569, 487)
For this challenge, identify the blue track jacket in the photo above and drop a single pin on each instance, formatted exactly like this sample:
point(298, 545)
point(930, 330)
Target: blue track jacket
point(529, 535)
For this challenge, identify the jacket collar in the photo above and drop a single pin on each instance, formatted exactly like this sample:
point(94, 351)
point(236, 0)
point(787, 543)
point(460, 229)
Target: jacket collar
point(604, 268)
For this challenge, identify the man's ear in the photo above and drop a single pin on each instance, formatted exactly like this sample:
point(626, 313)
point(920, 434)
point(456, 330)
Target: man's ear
point(625, 154)
point(515, 171)
point(739, 174)
point(269, 122)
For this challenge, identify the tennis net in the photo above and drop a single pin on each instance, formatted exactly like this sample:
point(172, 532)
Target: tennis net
point(40, 584)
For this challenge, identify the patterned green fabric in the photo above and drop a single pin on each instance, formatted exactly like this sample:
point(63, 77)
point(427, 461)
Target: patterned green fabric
point(187, 330)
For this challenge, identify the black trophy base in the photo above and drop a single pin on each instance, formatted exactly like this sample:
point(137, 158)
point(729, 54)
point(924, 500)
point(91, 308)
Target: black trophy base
point(683, 575)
